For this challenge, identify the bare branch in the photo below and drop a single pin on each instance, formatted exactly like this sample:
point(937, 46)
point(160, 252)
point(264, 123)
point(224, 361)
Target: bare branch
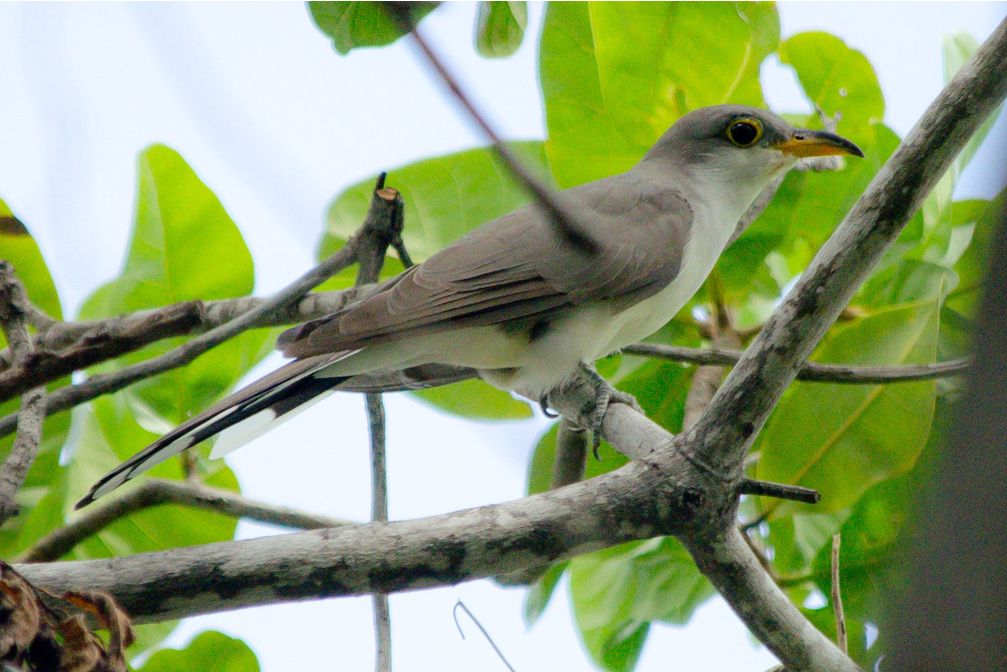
point(101, 384)
point(779, 351)
point(74, 346)
point(13, 315)
point(382, 226)
point(794, 493)
point(810, 371)
point(571, 454)
point(563, 217)
point(156, 492)
point(735, 571)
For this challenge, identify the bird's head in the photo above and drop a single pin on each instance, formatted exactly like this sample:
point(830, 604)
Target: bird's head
point(736, 143)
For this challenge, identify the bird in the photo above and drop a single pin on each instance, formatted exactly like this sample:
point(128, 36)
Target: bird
point(514, 299)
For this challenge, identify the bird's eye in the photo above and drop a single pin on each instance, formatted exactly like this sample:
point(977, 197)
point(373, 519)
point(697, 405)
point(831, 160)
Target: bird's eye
point(744, 132)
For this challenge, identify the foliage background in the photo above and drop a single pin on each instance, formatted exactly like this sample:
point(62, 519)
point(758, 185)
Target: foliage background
point(276, 133)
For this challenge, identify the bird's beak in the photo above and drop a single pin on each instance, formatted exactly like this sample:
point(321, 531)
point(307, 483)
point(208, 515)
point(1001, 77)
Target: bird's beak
point(817, 143)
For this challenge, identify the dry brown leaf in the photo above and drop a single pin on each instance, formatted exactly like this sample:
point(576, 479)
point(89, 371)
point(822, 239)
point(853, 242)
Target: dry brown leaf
point(20, 615)
point(29, 628)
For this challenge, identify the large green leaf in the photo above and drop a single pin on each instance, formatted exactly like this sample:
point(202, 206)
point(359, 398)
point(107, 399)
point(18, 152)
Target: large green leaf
point(351, 25)
point(184, 247)
point(957, 50)
point(209, 650)
point(618, 591)
point(836, 79)
point(19, 248)
point(107, 434)
point(971, 266)
point(477, 400)
point(615, 76)
point(500, 27)
point(841, 439)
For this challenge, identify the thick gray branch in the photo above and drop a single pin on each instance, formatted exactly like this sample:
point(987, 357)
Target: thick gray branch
point(736, 572)
point(788, 338)
point(633, 503)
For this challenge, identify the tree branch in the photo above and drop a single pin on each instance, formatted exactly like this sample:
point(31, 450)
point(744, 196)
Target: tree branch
point(773, 359)
point(683, 485)
point(13, 314)
point(563, 217)
point(735, 571)
point(382, 226)
point(96, 386)
point(156, 492)
point(810, 371)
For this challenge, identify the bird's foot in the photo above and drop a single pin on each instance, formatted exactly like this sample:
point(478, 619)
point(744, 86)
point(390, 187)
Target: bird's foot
point(604, 396)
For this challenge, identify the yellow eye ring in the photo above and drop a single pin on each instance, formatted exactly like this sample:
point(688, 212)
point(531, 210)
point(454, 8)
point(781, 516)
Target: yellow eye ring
point(744, 131)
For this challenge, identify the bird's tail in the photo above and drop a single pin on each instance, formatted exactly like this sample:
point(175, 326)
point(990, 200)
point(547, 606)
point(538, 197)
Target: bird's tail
point(267, 402)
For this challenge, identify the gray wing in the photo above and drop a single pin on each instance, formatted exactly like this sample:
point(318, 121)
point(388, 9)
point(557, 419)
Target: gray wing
point(518, 267)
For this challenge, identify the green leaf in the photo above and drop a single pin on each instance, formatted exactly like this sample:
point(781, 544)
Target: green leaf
point(352, 25)
point(445, 198)
point(971, 266)
point(835, 78)
point(539, 593)
point(841, 439)
point(906, 282)
point(957, 50)
point(500, 27)
point(475, 399)
point(209, 650)
point(616, 76)
point(19, 248)
point(618, 591)
point(184, 247)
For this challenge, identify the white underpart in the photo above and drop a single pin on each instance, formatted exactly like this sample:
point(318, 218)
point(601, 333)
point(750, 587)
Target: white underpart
point(254, 426)
point(718, 199)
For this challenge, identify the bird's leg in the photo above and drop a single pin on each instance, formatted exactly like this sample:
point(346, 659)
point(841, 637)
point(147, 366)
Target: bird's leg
point(604, 395)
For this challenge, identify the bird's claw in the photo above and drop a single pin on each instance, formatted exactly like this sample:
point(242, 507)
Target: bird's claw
point(543, 403)
point(605, 395)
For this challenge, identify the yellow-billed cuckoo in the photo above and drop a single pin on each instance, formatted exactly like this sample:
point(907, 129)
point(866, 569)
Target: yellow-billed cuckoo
point(516, 302)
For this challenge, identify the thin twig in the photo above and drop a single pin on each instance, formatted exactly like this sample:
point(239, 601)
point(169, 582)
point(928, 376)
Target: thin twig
point(74, 346)
point(454, 614)
point(811, 371)
point(156, 492)
point(837, 597)
point(794, 493)
point(381, 228)
point(96, 386)
point(561, 214)
point(13, 302)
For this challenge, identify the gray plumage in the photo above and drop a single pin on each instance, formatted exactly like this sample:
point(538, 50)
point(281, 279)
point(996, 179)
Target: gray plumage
point(514, 303)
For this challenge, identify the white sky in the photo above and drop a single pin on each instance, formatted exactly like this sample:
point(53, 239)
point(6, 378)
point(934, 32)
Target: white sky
point(276, 124)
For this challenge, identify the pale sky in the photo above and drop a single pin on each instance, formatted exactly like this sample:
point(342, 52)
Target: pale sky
point(276, 124)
